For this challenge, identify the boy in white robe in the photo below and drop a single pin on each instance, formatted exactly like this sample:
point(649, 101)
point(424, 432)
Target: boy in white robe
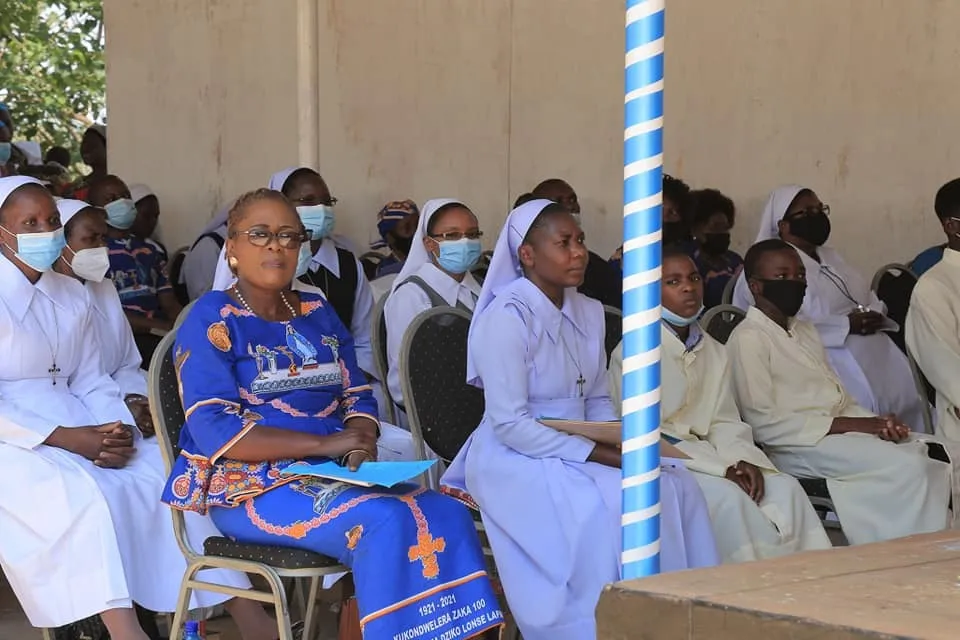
point(933, 319)
point(882, 482)
point(756, 511)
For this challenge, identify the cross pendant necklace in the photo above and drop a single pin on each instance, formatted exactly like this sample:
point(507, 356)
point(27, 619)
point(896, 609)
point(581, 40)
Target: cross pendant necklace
point(54, 370)
point(581, 381)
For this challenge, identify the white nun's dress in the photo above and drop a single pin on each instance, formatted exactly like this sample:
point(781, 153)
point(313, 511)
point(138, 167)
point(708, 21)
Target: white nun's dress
point(76, 539)
point(408, 300)
point(698, 412)
point(553, 519)
point(873, 370)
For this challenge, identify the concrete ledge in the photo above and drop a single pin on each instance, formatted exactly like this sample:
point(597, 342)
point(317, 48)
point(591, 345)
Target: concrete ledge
point(898, 590)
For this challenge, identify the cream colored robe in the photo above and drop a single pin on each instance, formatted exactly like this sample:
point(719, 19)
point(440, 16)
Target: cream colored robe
point(790, 395)
point(933, 339)
point(697, 410)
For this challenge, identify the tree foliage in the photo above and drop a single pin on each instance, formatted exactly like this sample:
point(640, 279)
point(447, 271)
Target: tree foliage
point(52, 72)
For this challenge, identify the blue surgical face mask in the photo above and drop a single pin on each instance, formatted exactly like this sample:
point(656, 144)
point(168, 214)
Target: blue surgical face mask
point(39, 250)
point(6, 149)
point(121, 213)
point(318, 219)
point(457, 256)
point(680, 321)
point(303, 259)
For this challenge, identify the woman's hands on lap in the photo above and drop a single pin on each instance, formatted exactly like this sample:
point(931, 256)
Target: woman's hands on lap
point(107, 445)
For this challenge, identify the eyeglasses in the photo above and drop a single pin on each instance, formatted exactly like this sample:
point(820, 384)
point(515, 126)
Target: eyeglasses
point(809, 211)
point(453, 236)
point(310, 201)
point(263, 238)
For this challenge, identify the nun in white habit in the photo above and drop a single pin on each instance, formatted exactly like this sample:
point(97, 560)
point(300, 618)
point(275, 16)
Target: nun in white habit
point(847, 314)
point(550, 501)
point(80, 537)
point(436, 273)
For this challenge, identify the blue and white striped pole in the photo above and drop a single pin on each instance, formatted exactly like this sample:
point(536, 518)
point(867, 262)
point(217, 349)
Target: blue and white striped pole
point(642, 201)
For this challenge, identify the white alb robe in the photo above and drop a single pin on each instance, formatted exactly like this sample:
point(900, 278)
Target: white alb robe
point(790, 395)
point(699, 414)
point(76, 539)
point(552, 518)
point(933, 338)
point(408, 301)
point(873, 370)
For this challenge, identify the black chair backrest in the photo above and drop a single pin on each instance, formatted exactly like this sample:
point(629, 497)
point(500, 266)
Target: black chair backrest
point(613, 320)
point(166, 403)
point(720, 321)
point(175, 268)
point(894, 285)
point(439, 402)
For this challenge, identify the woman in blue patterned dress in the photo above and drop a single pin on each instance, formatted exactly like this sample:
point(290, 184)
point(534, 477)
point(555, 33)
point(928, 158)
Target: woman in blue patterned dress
point(268, 377)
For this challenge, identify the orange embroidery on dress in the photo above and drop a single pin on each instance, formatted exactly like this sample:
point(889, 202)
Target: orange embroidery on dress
point(328, 411)
point(219, 336)
point(344, 374)
point(427, 546)
point(353, 536)
point(249, 397)
point(301, 528)
point(228, 310)
point(279, 404)
point(307, 308)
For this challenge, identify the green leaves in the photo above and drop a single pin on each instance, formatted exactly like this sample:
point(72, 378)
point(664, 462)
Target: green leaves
point(52, 72)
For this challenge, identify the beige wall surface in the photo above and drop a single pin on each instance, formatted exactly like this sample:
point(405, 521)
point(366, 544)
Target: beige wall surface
point(479, 99)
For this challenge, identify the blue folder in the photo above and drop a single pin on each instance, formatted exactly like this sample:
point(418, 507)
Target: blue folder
point(370, 474)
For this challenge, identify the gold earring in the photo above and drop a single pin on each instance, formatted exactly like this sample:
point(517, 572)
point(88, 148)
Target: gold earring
point(232, 262)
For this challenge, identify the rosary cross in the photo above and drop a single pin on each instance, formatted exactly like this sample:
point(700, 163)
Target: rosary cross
point(580, 382)
point(54, 371)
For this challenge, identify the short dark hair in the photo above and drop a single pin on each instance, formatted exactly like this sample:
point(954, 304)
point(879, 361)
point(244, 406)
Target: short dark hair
point(676, 190)
point(297, 173)
point(704, 203)
point(60, 155)
point(751, 261)
point(947, 202)
point(100, 183)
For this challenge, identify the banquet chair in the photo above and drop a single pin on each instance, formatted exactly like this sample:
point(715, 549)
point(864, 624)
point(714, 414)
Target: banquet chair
point(272, 563)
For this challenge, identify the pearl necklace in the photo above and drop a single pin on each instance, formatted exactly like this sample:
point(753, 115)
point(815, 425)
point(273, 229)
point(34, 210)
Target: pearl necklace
point(243, 301)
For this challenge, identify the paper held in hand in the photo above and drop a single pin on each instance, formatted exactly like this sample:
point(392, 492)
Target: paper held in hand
point(370, 474)
point(606, 433)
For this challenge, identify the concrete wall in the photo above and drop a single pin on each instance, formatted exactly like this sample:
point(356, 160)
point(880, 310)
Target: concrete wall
point(479, 99)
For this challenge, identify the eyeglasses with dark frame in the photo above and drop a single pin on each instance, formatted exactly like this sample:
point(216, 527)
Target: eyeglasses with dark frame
point(453, 236)
point(263, 237)
point(309, 202)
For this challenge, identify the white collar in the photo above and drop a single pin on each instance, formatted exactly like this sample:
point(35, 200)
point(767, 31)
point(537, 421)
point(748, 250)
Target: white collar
point(18, 292)
point(448, 288)
point(326, 257)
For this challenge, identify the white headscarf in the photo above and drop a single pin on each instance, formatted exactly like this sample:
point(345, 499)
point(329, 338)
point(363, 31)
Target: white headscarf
point(69, 208)
point(505, 267)
point(218, 220)
point(140, 191)
point(776, 207)
point(11, 184)
point(418, 255)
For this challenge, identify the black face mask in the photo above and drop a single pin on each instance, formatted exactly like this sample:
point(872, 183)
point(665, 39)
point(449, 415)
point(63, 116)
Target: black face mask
point(785, 295)
point(716, 244)
point(812, 227)
point(673, 233)
point(401, 245)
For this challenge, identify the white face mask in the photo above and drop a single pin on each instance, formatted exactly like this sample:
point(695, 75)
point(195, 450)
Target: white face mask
point(90, 264)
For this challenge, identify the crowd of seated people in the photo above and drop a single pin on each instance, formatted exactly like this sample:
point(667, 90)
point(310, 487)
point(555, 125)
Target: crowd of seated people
point(808, 386)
